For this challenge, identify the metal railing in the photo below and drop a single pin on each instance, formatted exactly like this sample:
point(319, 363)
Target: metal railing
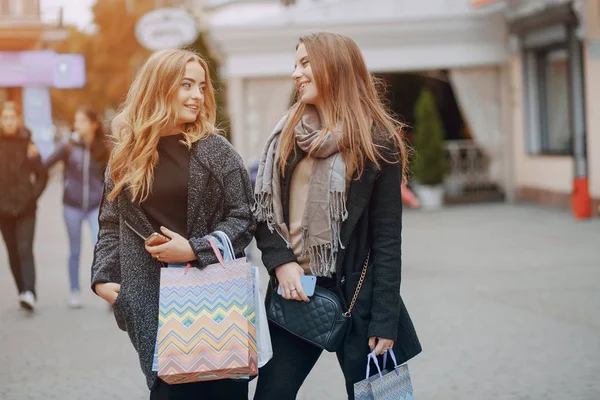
point(469, 172)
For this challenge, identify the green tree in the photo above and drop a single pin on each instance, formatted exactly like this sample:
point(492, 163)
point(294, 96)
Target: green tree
point(430, 165)
point(112, 56)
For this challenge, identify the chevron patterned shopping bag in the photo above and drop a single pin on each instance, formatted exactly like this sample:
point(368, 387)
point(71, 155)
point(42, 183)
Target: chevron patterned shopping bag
point(206, 323)
point(385, 385)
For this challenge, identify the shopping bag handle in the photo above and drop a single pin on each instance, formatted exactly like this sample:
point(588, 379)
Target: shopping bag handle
point(373, 356)
point(228, 251)
point(393, 358)
point(216, 250)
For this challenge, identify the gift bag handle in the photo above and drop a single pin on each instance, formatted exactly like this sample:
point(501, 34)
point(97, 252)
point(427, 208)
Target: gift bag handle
point(393, 358)
point(216, 250)
point(228, 251)
point(372, 356)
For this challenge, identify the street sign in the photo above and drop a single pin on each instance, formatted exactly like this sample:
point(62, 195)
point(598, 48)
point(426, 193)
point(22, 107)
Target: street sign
point(166, 28)
point(42, 68)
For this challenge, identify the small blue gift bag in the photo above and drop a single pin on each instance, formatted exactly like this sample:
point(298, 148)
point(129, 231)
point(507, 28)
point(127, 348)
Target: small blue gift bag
point(392, 384)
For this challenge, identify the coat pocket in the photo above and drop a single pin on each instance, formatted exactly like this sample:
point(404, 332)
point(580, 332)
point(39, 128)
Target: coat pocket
point(119, 310)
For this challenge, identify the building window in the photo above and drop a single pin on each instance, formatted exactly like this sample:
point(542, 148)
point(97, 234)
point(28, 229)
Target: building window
point(549, 64)
point(5, 7)
point(555, 133)
point(30, 8)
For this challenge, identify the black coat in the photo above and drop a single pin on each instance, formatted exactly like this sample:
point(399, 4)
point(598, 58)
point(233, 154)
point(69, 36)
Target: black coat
point(83, 175)
point(374, 223)
point(22, 180)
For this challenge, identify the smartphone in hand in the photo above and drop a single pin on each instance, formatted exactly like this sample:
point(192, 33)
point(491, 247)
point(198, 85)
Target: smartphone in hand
point(156, 239)
point(309, 282)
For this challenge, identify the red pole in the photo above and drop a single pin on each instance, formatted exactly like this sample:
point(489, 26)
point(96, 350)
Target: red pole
point(581, 202)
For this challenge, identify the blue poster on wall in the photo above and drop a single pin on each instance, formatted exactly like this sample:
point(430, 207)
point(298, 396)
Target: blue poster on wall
point(37, 116)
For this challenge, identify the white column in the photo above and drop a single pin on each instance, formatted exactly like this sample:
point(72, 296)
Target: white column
point(506, 123)
point(235, 106)
point(266, 101)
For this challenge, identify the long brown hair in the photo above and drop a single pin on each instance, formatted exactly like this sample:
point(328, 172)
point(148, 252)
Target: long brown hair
point(98, 149)
point(351, 102)
point(146, 112)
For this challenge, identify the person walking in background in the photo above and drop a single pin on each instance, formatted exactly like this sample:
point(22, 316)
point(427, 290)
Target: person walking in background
point(22, 181)
point(85, 156)
point(328, 204)
point(169, 173)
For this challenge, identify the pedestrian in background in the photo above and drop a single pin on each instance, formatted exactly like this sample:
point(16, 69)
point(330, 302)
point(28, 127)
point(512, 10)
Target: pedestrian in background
point(408, 197)
point(84, 156)
point(329, 205)
point(170, 173)
point(22, 181)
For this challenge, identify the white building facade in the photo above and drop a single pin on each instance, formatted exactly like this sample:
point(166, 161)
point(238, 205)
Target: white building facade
point(480, 46)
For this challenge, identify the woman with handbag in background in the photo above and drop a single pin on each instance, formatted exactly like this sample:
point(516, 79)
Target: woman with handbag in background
point(328, 205)
point(85, 156)
point(171, 179)
point(22, 181)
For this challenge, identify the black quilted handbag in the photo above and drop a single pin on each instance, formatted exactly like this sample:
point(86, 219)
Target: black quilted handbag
point(322, 322)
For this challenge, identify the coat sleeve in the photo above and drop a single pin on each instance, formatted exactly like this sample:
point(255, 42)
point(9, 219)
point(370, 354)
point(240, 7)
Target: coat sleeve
point(106, 266)
point(57, 155)
point(385, 210)
point(275, 251)
point(238, 222)
point(41, 176)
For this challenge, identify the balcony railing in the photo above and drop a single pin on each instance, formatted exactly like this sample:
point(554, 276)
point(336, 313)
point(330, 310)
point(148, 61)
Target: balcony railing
point(469, 177)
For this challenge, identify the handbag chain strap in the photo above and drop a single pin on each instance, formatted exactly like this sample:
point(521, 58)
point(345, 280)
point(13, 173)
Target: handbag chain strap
point(348, 313)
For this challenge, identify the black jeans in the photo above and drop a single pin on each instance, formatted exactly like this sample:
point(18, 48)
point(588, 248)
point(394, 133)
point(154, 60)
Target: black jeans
point(225, 389)
point(292, 361)
point(18, 236)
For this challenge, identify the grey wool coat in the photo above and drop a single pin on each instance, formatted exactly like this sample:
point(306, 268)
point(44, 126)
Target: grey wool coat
point(219, 198)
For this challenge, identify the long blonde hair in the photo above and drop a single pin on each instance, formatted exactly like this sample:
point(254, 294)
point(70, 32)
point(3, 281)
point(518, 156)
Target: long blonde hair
point(146, 112)
point(351, 102)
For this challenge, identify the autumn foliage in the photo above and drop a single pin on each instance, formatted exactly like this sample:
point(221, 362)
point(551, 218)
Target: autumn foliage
point(112, 56)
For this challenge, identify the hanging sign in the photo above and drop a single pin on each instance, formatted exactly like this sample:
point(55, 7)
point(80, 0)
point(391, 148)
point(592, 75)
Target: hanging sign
point(166, 28)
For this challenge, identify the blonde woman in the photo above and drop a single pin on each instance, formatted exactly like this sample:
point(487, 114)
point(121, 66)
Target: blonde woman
point(169, 173)
point(327, 200)
point(22, 179)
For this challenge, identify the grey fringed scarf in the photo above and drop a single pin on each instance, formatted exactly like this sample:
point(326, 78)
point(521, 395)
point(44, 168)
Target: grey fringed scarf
point(326, 205)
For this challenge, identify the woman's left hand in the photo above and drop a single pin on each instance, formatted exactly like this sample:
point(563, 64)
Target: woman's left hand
point(32, 151)
point(176, 250)
point(380, 345)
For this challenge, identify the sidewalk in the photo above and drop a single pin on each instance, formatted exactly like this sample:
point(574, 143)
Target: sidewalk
point(505, 301)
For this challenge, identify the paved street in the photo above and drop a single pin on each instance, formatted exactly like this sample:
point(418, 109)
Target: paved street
point(505, 300)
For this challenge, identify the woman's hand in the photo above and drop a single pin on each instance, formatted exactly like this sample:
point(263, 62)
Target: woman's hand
point(108, 291)
point(380, 345)
point(176, 250)
point(32, 151)
point(288, 276)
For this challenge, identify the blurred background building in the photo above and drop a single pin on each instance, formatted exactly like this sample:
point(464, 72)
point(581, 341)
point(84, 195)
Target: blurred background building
point(516, 82)
point(29, 68)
